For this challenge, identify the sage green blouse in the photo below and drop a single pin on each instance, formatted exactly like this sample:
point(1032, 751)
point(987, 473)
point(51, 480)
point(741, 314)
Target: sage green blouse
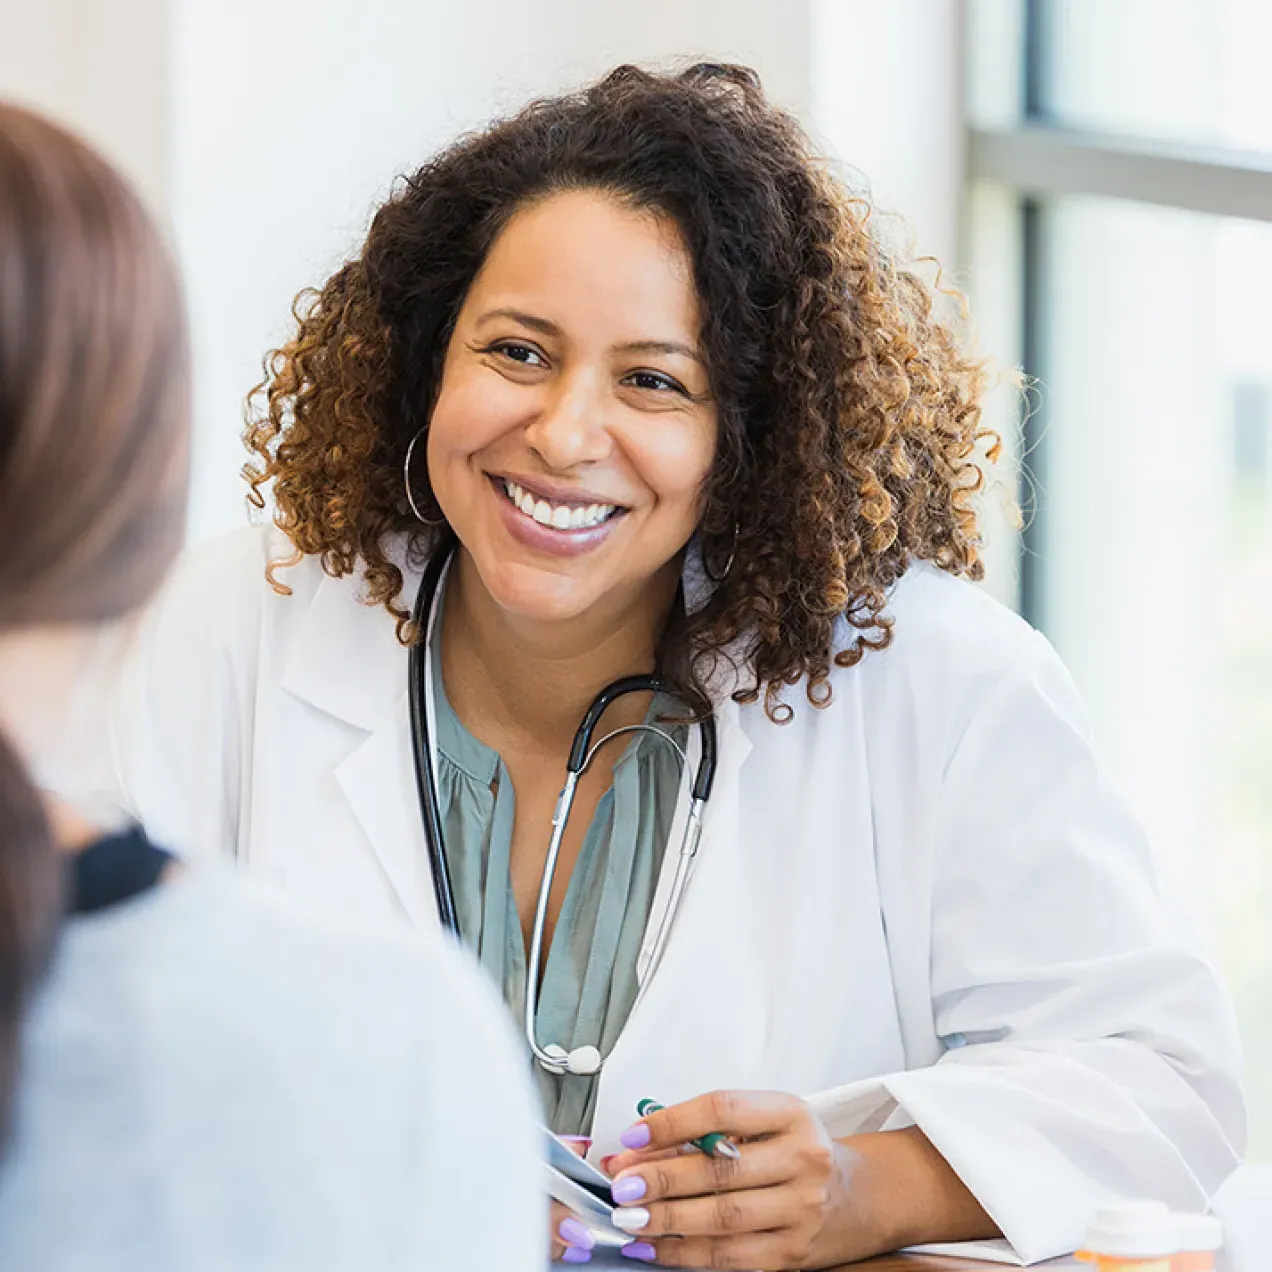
point(589, 979)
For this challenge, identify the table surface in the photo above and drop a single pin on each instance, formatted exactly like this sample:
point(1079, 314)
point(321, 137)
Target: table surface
point(890, 1263)
point(929, 1263)
point(1244, 1205)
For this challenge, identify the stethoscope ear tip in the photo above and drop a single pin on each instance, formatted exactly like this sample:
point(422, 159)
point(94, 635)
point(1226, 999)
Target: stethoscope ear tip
point(584, 1061)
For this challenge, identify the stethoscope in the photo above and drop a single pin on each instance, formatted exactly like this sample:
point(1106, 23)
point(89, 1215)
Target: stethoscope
point(554, 1058)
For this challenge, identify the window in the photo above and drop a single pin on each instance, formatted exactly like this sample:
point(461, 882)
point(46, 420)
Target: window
point(1120, 235)
point(1188, 71)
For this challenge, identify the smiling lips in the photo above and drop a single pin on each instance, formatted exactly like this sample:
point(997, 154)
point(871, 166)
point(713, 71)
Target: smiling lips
point(565, 516)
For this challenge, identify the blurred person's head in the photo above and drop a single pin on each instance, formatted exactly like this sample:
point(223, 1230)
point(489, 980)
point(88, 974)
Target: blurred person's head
point(93, 476)
point(621, 322)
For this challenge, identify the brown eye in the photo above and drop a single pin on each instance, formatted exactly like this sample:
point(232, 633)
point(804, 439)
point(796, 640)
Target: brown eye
point(656, 382)
point(524, 354)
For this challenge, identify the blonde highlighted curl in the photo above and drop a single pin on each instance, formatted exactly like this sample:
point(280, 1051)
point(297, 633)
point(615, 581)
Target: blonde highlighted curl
point(849, 417)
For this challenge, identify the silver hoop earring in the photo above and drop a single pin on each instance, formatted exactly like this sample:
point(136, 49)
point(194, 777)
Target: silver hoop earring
point(406, 482)
point(728, 565)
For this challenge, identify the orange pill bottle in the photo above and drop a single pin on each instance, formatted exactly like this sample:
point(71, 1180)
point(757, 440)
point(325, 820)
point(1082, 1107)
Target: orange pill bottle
point(1133, 1236)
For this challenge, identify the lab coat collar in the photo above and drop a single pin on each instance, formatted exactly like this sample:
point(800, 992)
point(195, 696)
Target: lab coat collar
point(695, 582)
point(346, 659)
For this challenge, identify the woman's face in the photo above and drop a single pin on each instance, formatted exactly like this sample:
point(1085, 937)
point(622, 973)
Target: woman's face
point(574, 427)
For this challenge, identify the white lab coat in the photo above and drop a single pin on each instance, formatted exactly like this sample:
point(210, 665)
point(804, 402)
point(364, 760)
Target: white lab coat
point(921, 904)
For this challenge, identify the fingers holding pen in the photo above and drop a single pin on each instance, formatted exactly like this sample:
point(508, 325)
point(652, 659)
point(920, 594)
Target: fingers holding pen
point(672, 1175)
point(769, 1207)
point(737, 1114)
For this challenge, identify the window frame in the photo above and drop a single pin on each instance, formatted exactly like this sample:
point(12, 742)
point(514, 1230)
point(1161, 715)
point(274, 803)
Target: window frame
point(1038, 159)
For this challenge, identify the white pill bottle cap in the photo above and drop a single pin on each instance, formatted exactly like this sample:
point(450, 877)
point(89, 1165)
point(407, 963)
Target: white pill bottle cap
point(1198, 1233)
point(1134, 1230)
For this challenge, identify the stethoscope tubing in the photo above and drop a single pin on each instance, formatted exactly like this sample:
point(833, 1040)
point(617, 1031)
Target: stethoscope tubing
point(581, 754)
point(421, 737)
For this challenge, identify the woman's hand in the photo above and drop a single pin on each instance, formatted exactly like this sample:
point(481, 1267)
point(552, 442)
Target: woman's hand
point(795, 1198)
point(571, 1241)
point(771, 1208)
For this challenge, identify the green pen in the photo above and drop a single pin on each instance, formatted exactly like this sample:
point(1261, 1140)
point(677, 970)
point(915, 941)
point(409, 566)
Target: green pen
point(714, 1145)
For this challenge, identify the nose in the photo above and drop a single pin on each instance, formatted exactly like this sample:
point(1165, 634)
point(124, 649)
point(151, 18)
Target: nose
point(571, 428)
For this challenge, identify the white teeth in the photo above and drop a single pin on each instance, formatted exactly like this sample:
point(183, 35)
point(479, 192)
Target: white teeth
point(558, 516)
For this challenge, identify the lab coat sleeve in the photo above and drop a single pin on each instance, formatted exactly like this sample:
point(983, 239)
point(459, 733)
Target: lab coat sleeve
point(178, 745)
point(1091, 1050)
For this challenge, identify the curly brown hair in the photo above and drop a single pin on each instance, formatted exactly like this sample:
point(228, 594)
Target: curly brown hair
point(848, 416)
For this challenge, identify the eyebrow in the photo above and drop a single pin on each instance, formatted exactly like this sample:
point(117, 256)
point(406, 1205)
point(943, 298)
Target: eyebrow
point(662, 346)
point(548, 328)
point(543, 325)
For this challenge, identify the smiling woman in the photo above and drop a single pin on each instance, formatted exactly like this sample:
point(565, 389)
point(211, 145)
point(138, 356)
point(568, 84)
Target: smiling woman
point(574, 429)
point(631, 368)
point(847, 416)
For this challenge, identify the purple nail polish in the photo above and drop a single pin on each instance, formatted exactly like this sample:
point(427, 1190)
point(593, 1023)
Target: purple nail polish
point(629, 1188)
point(635, 1136)
point(641, 1250)
point(575, 1255)
point(573, 1233)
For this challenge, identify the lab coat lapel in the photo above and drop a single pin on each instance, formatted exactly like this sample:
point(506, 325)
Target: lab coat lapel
point(348, 663)
point(721, 812)
point(378, 780)
point(691, 1032)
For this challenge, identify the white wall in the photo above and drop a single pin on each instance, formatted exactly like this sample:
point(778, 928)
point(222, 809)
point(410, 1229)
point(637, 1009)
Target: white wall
point(102, 67)
point(887, 100)
point(287, 132)
point(888, 87)
point(268, 130)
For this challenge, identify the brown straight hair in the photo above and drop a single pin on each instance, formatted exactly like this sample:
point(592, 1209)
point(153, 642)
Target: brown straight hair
point(94, 457)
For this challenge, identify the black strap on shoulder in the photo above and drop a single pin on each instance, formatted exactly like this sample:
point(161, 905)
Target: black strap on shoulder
point(114, 869)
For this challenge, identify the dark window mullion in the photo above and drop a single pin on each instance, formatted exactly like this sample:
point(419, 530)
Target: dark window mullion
point(1033, 475)
point(1033, 274)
